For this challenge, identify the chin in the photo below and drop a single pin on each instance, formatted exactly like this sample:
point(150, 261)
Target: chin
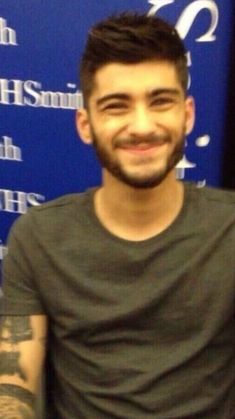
point(145, 182)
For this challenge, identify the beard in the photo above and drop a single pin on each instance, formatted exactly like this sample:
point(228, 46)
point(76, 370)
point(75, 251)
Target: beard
point(147, 180)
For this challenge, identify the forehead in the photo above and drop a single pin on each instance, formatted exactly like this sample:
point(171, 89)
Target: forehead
point(135, 79)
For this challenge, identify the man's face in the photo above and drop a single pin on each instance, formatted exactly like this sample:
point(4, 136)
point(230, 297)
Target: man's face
point(137, 121)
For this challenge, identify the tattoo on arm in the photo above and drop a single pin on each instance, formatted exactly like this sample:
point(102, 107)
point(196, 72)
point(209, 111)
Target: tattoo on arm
point(14, 330)
point(9, 364)
point(16, 402)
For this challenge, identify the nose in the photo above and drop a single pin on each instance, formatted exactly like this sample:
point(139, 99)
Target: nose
point(141, 123)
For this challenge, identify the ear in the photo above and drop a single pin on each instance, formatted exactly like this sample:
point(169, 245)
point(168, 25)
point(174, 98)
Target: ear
point(190, 114)
point(83, 126)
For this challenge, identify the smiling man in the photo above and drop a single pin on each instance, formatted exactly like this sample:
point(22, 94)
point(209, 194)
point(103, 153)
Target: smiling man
point(127, 289)
point(137, 119)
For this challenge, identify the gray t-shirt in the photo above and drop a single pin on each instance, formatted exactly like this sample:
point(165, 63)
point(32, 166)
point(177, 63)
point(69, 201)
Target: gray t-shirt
point(137, 330)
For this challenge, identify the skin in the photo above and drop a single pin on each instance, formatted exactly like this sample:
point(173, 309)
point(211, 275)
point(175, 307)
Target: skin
point(22, 352)
point(137, 119)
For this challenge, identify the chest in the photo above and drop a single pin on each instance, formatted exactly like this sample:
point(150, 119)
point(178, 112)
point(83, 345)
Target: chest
point(165, 294)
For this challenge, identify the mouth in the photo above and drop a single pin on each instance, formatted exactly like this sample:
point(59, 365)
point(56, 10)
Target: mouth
point(142, 148)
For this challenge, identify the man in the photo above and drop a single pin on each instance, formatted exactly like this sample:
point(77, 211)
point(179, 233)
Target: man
point(131, 284)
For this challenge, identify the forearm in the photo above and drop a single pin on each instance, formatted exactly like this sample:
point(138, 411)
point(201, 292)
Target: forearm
point(16, 402)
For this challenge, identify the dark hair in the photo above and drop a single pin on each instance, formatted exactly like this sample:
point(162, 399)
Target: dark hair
point(130, 38)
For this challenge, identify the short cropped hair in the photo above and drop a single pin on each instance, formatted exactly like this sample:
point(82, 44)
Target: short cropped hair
point(131, 38)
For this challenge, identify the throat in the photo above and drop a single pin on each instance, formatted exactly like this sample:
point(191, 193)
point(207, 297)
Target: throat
point(138, 215)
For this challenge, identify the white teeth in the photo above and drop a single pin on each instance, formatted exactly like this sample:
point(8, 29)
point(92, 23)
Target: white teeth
point(145, 146)
point(141, 145)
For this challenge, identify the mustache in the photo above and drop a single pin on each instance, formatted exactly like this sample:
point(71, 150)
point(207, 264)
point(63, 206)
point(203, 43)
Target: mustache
point(153, 140)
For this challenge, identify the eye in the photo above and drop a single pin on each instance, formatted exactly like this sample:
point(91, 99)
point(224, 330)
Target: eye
point(115, 107)
point(162, 102)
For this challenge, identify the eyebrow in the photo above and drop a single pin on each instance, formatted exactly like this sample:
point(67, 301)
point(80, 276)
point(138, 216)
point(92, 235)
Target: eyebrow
point(166, 91)
point(125, 96)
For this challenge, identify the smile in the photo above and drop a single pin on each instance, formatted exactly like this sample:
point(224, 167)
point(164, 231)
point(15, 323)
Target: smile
point(142, 148)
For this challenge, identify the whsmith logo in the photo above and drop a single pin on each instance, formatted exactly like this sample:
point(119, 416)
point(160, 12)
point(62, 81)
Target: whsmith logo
point(17, 201)
point(29, 93)
point(8, 151)
point(7, 35)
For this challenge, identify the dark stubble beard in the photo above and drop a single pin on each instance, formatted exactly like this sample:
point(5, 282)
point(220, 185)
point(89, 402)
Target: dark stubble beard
point(148, 181)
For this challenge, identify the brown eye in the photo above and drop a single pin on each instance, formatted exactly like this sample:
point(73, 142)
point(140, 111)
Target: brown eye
point(162, 103)
point(116, 107)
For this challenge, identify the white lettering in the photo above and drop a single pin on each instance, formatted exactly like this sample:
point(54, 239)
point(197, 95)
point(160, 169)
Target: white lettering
point(8, 151)
point(203, 141)
point(28, 93)
point(35, 199)
point(3, 252)
point(157, 5)
point(11, 201)
point(7, 35)
point(28, 88)
point(11, 87)
point(182, 166)
point(17, 201)
point(189, 15)
point(201, 183)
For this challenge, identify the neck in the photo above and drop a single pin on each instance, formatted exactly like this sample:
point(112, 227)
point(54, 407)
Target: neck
point(138, 214)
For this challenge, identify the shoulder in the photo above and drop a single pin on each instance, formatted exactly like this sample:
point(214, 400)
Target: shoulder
point(211, 206)
point(57, 212)
point(60, 203)
point(212, 196)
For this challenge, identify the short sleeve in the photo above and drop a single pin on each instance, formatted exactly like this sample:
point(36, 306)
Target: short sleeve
point(19, 294)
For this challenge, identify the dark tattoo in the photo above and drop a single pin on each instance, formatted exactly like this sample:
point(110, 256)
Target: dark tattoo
point(14, 409)
point(16, 402)
point(14, 330)
point(9, 364)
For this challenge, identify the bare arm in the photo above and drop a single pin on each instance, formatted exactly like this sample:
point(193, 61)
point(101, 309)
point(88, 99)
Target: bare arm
point(22, 352)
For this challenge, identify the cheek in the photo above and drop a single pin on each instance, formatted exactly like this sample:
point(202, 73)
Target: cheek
point(115, 122)
point(177, 122)
point(172, 119)
point(112, 127)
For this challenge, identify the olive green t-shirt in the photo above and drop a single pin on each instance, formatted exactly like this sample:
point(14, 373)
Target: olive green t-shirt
point(137, 330)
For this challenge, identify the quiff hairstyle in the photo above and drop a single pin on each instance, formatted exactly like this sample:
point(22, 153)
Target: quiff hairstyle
point(131, 38)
